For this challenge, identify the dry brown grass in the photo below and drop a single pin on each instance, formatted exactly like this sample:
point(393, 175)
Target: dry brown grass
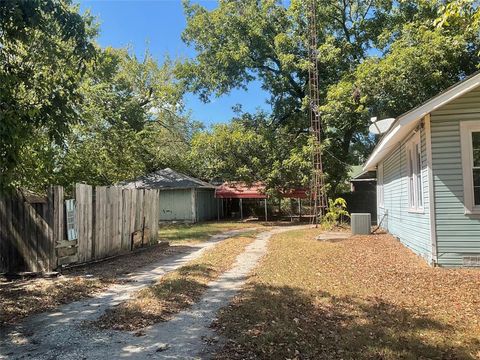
point(19, 299)
point(22, 298)
point(176, 290)
point(363, 298)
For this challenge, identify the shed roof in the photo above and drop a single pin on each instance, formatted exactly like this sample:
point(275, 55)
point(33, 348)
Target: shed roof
point(406, 122)
point(166, 179)
point(358, 174)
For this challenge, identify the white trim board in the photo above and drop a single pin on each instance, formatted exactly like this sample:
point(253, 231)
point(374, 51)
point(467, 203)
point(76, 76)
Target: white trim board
point(431, 190)
point(466, 129)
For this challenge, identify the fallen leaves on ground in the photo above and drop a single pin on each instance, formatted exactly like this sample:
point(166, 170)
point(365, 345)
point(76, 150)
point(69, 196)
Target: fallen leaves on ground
point(21, 298)
point(176, 290)
point(366, 297)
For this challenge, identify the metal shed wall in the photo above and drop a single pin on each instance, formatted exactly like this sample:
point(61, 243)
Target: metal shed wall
point(176, 204)
point(206, 204)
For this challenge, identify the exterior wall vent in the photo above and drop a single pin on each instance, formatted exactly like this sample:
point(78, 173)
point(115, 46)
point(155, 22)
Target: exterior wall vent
point(471, 261)
point(361, 223)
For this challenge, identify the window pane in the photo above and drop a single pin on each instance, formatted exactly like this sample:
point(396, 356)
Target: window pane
point(476, 140)
point(476, 177)
point(476, 157)
point(410, 163)
point(411, 195)
point(476, 148)
point(476, 185)
point(476, 191)
point(419, 176)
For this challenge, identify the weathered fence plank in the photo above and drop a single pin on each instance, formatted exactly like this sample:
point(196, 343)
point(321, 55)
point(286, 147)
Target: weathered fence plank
point(25, 241)
point(57, 223)
point(100, 213)
point(84, 219)
point(107, 220)
point(126, 223)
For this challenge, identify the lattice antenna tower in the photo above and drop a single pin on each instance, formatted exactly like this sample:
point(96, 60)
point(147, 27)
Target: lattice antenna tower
point(317, 191)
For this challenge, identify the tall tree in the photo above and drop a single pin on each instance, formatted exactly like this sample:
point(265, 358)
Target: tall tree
point(367, 48)
point(247, 150)
point(131, 122)
point(45, 46)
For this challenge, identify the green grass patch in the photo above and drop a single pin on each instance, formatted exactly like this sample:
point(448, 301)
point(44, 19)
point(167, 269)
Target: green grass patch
point(183, 233)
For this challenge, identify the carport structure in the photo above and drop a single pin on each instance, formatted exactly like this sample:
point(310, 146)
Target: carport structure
point(241, 191)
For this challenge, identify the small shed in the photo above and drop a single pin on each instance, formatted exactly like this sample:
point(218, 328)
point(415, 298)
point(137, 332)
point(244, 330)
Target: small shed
point(362, 197)
point(361, 180)
point(182, 197)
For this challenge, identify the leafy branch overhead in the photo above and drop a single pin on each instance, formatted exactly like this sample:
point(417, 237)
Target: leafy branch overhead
point(45, 49)
point(71, 111)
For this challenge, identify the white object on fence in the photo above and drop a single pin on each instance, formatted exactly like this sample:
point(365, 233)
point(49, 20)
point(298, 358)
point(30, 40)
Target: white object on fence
point(71, 223)
point(361, 223)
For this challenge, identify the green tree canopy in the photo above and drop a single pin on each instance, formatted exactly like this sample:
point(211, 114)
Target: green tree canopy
point(376, 58)
point(247, 150)
point(130, 122)
point(45, 46)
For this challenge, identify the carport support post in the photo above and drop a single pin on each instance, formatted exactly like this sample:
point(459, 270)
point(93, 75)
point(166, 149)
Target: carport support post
point(218, 209)
point(299, 209)
point(241, 209)
point(266, 211)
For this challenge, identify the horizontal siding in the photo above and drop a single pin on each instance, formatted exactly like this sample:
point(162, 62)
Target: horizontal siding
point(412, 229)
point(458, 235)
point(176, 205)
point(207, 205)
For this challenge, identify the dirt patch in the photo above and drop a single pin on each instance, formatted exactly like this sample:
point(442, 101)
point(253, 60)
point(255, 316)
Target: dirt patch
point(367, 297)
point(21, 298)
point(176, 290)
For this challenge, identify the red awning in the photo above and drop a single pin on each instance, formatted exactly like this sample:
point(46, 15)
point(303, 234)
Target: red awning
point(239, 190)
point(295, 194)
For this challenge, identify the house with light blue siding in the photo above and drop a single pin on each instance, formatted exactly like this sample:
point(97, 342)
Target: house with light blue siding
point(428, 177)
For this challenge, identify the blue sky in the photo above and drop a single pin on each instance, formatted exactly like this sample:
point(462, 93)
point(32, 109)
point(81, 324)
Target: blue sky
point(158, 24)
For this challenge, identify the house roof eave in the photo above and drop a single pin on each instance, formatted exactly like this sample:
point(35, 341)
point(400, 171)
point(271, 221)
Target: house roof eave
point(406, 122)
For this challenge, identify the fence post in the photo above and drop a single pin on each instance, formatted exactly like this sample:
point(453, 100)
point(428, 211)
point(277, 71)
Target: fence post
point(56, 222)
point(3, 235)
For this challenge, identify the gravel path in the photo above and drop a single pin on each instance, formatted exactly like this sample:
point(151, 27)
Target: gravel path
point(64, 334)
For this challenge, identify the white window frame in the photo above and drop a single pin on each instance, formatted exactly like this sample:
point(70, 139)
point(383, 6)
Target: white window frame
point(418, 192)
point(380, 188)
point(466, 130)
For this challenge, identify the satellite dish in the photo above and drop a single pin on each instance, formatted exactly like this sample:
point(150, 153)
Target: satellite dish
point(380, 126)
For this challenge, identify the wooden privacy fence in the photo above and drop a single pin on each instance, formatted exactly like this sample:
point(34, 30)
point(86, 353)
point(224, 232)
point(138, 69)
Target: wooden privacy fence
point(99, 222)
point(29, 228)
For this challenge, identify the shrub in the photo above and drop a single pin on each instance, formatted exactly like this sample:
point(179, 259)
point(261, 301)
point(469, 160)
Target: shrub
point(336, 211)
